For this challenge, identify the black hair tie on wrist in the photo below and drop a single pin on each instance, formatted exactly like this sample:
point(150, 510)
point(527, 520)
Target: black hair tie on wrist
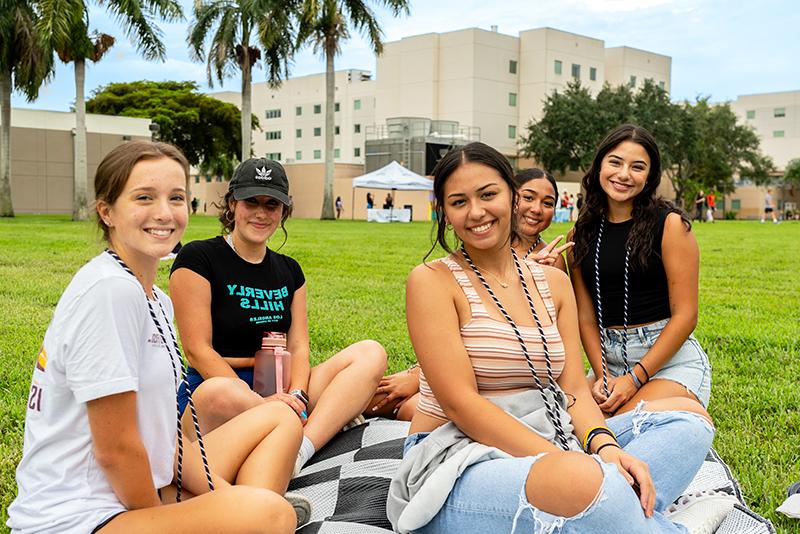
point(604, 445)
point(646, 374)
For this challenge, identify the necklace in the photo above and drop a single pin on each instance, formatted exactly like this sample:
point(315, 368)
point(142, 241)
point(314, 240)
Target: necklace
point(551, 407)
point(532, 247)
point(177, 352)
point(499, 280)
point(599, 305)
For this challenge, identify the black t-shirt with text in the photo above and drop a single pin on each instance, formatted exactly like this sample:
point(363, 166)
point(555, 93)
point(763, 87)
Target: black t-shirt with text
point(246, 299)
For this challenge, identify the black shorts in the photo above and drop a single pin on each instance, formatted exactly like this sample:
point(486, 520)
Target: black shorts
point(767, 210)
point(104, 523)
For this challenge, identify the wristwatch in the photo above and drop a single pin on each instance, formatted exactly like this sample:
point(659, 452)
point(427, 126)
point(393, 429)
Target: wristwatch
point(301, 395)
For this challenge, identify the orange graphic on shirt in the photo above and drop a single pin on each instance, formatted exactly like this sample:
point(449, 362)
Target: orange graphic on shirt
point(41, 360)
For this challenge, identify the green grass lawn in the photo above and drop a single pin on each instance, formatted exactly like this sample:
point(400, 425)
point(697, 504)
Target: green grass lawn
point(749, 322)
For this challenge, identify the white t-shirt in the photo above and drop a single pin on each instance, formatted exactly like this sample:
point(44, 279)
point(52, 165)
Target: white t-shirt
point(101, 341)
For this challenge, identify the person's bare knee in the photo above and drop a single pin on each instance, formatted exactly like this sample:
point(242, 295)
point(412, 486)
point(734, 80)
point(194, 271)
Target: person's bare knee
point(564, 483)
point(372, 355)
point(257, 510)
point(222, 399)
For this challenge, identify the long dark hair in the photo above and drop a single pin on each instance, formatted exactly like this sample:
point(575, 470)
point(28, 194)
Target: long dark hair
point(471, 153)
point(646, 205)
point(525, 176)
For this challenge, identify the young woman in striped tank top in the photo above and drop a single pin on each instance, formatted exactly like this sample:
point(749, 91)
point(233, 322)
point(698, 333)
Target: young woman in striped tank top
point(507, 436)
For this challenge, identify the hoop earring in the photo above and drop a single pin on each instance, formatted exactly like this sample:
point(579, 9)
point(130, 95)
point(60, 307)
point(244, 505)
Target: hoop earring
point(229, 216)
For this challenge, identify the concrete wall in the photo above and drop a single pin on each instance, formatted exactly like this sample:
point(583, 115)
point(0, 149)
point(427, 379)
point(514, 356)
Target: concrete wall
point(780, 135)
point(42, 155)
point(631, 66)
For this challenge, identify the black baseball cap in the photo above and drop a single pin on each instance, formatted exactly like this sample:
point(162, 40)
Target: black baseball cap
point(260, 176)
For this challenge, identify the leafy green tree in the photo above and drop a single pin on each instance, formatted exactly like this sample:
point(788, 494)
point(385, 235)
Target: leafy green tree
point(24, 66)
point(792, 173)
point(64, 25)
point(569, 130)
point(204, 128)
point(326, 23)
point(240, 26)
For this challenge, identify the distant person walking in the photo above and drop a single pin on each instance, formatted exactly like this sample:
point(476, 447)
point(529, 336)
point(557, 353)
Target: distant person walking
point(339, 207)
point(711, 206)
point(769, 207)
point(699, 202)
point(370, 201)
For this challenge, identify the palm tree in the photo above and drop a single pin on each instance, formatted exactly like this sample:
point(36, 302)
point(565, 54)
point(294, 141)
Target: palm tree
point(241, 25)
point(24, 66)
point(65, 27)
point(326, 24)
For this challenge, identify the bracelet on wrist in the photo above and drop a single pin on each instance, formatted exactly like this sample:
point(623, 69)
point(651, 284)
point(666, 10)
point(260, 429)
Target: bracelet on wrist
point(410, 369)
point(301, 395)
point(646, 374)
point(594, 432)
point(609, 444)
point(636, 381)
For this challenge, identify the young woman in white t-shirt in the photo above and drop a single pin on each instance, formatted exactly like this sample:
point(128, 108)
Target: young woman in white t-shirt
point(101, 447)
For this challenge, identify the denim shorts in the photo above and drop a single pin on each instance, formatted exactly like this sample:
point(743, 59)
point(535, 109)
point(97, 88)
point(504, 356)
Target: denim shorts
point(689, 366)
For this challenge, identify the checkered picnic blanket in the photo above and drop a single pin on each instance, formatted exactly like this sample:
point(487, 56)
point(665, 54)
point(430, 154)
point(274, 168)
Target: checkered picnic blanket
point(347, 482)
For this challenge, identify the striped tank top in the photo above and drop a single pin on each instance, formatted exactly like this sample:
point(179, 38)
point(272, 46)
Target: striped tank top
point(493, 348)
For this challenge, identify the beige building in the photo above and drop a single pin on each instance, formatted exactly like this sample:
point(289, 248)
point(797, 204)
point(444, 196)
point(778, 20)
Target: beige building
point(42, 155)
point(776, 119)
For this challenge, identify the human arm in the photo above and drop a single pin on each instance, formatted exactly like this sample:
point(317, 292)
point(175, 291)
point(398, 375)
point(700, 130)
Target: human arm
point(584, 411)
point(396, 388)
point(434, 328)
point(681, 258)
point(297, 342)
point(191, 297)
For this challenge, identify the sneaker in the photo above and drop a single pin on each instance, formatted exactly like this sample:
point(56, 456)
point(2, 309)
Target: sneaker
point(701, 512)
point(301, 505)
point(358, 420)
point(794, 488)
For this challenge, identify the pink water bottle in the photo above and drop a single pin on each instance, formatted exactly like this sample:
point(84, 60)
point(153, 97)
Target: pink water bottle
point(272, 368)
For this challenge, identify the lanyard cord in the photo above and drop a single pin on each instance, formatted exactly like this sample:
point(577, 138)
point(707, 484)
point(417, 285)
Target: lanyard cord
point(599, 303)
point(551, 410)
point(179, 473)
point(533, 246)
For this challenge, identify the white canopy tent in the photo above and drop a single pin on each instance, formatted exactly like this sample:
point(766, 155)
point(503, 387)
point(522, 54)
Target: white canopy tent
point(394, 177)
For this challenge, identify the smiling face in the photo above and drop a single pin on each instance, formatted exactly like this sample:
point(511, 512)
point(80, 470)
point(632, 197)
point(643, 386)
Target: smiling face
point(535, 207)
point(148, 218)
point(256, 218)
point(623, 173)
point(477, 203)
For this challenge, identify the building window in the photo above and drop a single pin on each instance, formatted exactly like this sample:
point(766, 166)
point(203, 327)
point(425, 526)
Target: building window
point(512, 99)
point(317, 131)
point(197, 178)
point(298, 155)
point(273, 135)
point(318, 154)
point(208, 178)
point(298, 133)
point(662, 85)
point(336, 153)
point(298, 110)
point(593, 74)
point(357, 128)
point(273, 114)
point(557, 67)
point(317, 109)
point(357, 104)
point(275, 156)
point(576, 71)
point(736, 204)
point(632, 81)
point(512, 66)
point(751, 114)
point(512, 131)
point(335, 130)
point(357, 152)
point(778, 133)
point(335, 106)
point(780, 112)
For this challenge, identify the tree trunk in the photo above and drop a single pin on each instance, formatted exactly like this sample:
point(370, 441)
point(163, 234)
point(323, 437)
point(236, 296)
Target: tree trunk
point(6, 207)
point(247, 103)
point(79, 179)
point(330, 95)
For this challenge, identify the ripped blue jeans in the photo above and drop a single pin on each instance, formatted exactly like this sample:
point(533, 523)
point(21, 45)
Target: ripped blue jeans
point(490, 496)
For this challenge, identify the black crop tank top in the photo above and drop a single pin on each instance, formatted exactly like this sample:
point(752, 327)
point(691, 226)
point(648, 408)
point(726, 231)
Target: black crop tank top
point(648, 294)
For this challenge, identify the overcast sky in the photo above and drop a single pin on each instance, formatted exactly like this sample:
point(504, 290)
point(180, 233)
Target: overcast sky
point(718, 48)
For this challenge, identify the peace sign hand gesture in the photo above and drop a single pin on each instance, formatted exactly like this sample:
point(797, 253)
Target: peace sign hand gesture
point(549, 254)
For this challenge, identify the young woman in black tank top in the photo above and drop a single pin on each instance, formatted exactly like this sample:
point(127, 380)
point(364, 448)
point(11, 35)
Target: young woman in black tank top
point(634, 269)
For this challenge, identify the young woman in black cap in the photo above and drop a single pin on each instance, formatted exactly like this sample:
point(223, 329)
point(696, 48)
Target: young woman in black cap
point(231, 289)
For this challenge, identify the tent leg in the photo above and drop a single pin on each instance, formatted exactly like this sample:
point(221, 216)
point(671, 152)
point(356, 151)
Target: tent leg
point(353, 204)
